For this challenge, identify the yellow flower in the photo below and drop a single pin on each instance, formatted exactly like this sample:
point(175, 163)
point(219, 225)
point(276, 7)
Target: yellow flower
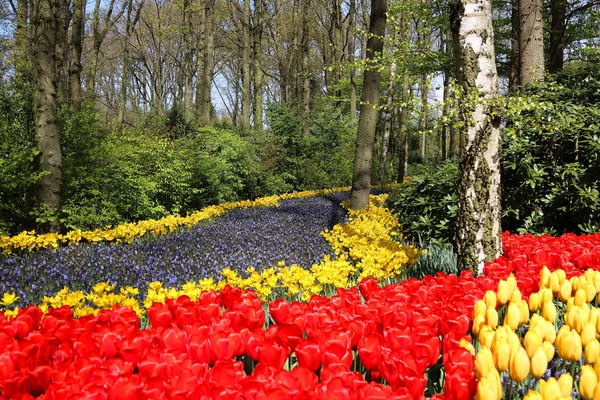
point(550, 389)
point(8, 299)
point(539, 363)
point(565, 383)
point(484, 362)
point(592, 351)
point(587, 382)
point(549, 311)
point(502, 292)
point(487, 388)
point(519, 365)
point(513, 316)
point(533, 395)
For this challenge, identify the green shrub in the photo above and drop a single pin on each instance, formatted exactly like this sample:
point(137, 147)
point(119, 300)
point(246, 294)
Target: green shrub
point(439, 257)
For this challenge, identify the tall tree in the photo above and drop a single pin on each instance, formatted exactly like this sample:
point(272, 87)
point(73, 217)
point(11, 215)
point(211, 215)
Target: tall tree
point(21, 36)
point(424, 111)
point(257, 33)
point(351, 49)
point(305, 73)
point(403, 131)
point(369, 107)
point(75, 67)
point(246, 65)
point(389, 113)
point(558, 10)
point(531, 41)
point(47, 134)
point(478, 236)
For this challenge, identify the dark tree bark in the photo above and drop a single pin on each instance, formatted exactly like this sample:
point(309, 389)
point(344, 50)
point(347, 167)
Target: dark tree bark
point(558, 9)
point(390, 107)
point(47, 135)
point(403, 131)
point(351, 50)
point(478, 236)
point(514, 79)
point(21, 46)
point(246, 65)
point(257, 110)
point(305, 73)
point(367, 123)
point(76, 49)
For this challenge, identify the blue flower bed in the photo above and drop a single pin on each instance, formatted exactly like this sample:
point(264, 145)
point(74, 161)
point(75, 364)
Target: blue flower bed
point(258, 237)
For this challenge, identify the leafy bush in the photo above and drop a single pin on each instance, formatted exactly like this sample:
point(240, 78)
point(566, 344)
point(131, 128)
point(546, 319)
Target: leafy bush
point(426, 208)
point(439, 257)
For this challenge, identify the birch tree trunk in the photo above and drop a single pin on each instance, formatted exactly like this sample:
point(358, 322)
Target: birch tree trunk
point(47, 135)
point(369, 108)
point(478, 236)
point(388, 124)
point(531, 38)
point(424, 111)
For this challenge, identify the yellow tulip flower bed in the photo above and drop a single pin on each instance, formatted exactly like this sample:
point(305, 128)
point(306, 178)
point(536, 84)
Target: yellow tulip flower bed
point(546, 348)
point(364, 247)
point(128, 232)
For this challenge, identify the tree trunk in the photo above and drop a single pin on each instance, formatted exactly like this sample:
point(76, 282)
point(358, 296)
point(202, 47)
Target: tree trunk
point(367, 123)
point(258, 77)
point(77, 31)
point(515, 64)
point(403, 133)
point(208, 61)
point(63, 20)
point(246, 65)
point(424, 111)
point(21, 37)
point(188, 60)
point(478, 236)
point(531, 38)
point(557, 35)
point(446, 114)
point(47, 135)
point(305, 72)
point(351, 49)
point(388, 124)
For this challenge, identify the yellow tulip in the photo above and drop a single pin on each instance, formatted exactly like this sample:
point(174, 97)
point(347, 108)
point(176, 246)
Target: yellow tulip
point(533, 395)
point(513, 316)
point(594, 313)
point(597, 370)
point(547, 295)
point(580, 297)
point(587, 382)
point(544, 276)
point(502, 292)
point(566, 289)
point(562, 275)
point(534, 302)
point(532, 342)
point(516, 296)
point(549, 311)
point(479, 308)
point(568, 345)
point(565, 382)
point(554, 282)
point(512, 284)
point(524, 311)
point(549, 332)
point(487, 389)
point(550, 389)
point(501, 356)
point(490, 298)
point(539, 363)
point(590, 291)
point(465, 344)
point(596, 281)
point(514, 341)
point(588, 333)
point(519, 365)
point(484, 362)
point(478, 323)
point(592, 351)
point(486, 336)
point(491, 317)
point(549, 350)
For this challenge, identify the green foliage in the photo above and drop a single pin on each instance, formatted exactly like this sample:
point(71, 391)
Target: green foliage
point(426, 208)
point(551, 156)
point(439, 257)
point(322, 159)
point(18, 162)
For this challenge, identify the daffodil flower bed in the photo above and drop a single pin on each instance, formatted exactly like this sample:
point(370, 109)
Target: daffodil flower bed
point(30, 241)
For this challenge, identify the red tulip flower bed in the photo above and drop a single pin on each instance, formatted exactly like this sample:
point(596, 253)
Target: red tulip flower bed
point(365, 343)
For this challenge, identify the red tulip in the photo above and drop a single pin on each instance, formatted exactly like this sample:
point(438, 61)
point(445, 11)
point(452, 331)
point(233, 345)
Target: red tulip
point(308, 354)
point(369, 351)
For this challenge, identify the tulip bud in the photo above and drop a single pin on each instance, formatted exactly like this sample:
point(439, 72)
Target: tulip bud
point(490, 298)
point(516, 296)
point(479, 308)
point(539, 363)
point(565, 291)
point(562, 275)
point(534, 302)
point(502, 292)
point(549, 332)
point(487, 389)
point(514, 341)
point(554, 282)
point(594, 313)
point(544, 276)
point(569, 346)
point(533, 395)
point(524, 311)
point(519, 365)
point(547, 296)
point(513, 316)
point(597, 370)
point(580, 297)
point(570, 303)
point(491, 317)
point(550, 389)
point(587, 382)
point(590, 292)
point(532, 342)
point(565, 382)
point(501, 356)
point(486, 336)
point(484, 362)
point(549, 311)
point(588, 333)
point(592, 351)
point(596, 281)
point(549, 350)
point(512, 284)
point(574, 282)
point(478, 323)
